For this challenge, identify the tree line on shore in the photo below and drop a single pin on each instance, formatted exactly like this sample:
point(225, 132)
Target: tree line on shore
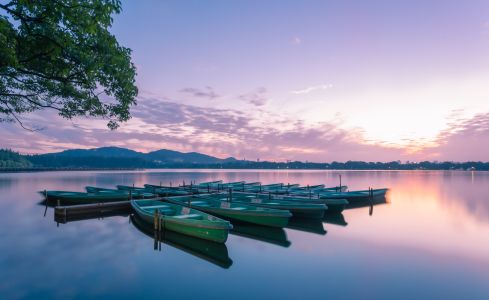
point(12, 160)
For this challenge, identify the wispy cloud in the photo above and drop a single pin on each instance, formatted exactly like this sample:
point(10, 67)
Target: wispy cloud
point(313, 88)
point(162, 123)
point(207, 92)
point(296, 40)
point(257, 97)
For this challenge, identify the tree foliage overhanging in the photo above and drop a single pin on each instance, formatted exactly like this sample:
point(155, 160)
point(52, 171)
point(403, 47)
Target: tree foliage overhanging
point(59, 54)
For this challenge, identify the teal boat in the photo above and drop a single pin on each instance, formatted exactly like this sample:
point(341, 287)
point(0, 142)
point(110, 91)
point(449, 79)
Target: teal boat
point(134, 194)
point(170, 191)
point(354, 195)
point(306, 210)
point(184, 220)
point(333, 205)
point(235, 211)
point(67, 197)
point(216, 253)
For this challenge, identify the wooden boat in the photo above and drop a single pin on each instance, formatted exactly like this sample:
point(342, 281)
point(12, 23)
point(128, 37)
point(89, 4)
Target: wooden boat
point(235, 211)
point(354, 195)
point(333, 205)
point(67, 197)
point(306, 210)
point(184, 220)
point(134, 194)
point(216, 253)
point(169, 191)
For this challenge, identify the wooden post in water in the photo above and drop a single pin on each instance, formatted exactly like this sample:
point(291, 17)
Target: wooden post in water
point(340, 183)
point(155, 220)
point(46, 200)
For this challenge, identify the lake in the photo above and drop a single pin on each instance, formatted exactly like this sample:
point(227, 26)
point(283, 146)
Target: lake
point(430, 240)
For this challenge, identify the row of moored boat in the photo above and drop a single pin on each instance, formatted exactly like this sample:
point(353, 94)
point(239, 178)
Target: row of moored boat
point(206, 210)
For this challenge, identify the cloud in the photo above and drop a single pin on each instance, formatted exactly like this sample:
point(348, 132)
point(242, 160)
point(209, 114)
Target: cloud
point(464, 140)
point(313, 88)
point(208, 92)
point(163, 123)
point(296, 40)
point(256, 97)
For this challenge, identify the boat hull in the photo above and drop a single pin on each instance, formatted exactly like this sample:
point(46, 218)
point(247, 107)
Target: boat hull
point(193, 228)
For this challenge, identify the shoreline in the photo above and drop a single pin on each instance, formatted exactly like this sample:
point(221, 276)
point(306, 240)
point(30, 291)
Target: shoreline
point(35, 170)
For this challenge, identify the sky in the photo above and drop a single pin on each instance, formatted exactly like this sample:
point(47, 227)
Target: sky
point(296, 80)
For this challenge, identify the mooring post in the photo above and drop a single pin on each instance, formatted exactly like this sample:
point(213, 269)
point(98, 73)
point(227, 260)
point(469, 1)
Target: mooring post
point(155, 220)
point(46, 200)
point(58, 203)
point(170, 183)
point(160, 183)
point(340, 183)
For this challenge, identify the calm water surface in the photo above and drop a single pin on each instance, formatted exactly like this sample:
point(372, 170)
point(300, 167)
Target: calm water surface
point(430, 241)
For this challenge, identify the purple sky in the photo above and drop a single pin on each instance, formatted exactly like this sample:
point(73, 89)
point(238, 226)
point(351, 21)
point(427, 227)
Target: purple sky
point(305, 80)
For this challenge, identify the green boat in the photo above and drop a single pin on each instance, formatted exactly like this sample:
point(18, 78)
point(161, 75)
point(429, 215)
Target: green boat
point(216, 253)
point(306, 210)
point(67, 197)
point(184, 220)
point(134, 194)
point(354, 196)
point(235, 211)
point(164, 191)
point(333, 205)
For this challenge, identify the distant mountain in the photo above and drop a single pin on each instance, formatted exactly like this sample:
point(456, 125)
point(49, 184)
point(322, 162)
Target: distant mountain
point(103, 151)
point(190, 157)
point(116, 157)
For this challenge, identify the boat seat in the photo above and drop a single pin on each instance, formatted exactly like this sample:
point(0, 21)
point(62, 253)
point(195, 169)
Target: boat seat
point(238, 208)
point(198, 202)
point(156, 206)
point(189, 216)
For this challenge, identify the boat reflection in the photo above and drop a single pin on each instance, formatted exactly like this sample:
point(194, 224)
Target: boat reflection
point(367, 202)
point(334, 218)
point(215, 253)
point(267, 234)
point(307, 224)
point(96, 215)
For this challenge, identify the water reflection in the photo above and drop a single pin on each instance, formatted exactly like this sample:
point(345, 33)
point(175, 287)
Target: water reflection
point(272, 235)
point(335, 219)
point(216, 253)
point(431, 232)
point(311, 225)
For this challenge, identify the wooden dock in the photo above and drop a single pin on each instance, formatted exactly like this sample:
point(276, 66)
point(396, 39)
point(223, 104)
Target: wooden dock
point(64, 214)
